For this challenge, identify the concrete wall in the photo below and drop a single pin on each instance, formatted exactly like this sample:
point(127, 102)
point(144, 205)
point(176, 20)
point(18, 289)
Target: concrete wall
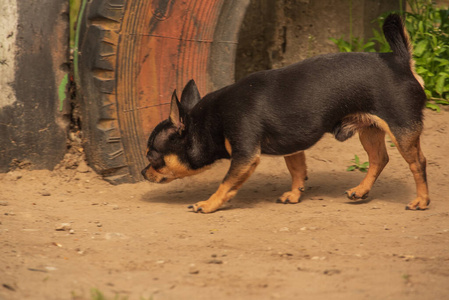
point(278, 33)
point(33, 81)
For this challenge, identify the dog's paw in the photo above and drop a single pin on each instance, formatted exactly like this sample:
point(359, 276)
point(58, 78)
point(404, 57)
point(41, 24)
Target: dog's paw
point(418, 204)
point(356, 194)
point(203, 207)
point(290, 197)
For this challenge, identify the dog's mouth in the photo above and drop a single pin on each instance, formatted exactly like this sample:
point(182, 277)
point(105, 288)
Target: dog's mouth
point(166, 180)
point(153, 175)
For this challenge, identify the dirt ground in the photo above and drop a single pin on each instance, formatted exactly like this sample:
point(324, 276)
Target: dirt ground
point(66, 233)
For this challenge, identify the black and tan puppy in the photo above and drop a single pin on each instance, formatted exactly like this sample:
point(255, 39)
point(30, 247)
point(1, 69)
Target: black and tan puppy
point(285, 111)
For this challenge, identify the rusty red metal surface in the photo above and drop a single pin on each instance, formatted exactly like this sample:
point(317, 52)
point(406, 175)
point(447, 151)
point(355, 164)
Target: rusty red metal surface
point(163, 44)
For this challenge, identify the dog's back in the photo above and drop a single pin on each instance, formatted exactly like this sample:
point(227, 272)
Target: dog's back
point(295, 105)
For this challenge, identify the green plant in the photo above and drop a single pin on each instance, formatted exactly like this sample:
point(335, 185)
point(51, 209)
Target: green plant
point(98, 295)
point(362, 167)
point(428, 27)
point(355, 44)
point(74, 10)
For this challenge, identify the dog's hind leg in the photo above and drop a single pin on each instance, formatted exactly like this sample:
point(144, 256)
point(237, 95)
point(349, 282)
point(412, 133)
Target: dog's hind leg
point(410, 148)
point(296, 164)
point(373, 141)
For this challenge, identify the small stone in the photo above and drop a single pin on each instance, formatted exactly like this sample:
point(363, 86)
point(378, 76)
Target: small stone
point(115, 236)
point(4, 203)
point(318, 258)
point(45, 193)
point(71, 231)
point(407, 257)
point(193, 269)
point(63, 227)
point(215, 261)
point(331, 272)
point(284, 229)
point(14, 175)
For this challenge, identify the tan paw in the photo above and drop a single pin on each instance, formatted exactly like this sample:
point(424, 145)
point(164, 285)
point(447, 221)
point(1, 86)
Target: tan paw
point(290, 197)
point(204, 207)
point(357, 193)
point(418, 204)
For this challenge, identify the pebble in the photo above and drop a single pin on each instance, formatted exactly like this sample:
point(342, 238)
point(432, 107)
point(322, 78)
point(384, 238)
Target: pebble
point(14, 175)
point(407, 257)
point(331, 272)
point(284, 229)
point(215, 261)
point(44, 193)
point(114, 236)
point(63, 227)
point(4, 203)
point(193, 269)
point(318, 258)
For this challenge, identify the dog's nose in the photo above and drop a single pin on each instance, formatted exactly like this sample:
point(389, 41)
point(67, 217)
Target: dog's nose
point(144, 172)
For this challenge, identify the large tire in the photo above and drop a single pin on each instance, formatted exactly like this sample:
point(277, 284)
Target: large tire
point(132, 55)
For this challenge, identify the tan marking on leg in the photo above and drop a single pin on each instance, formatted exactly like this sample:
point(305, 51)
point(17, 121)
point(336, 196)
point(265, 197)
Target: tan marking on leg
point(373, 141)
point(228, 146)
point(235, 178)
point(296, 164)
point(409, 146)
point(384, 126)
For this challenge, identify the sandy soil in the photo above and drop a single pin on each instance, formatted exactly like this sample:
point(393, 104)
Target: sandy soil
point(139, 241)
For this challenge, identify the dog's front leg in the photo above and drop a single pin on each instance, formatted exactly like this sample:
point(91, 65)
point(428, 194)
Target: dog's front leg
point(239, 171)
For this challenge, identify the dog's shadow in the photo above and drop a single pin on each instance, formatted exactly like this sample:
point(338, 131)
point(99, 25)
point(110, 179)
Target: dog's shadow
point(265, 187)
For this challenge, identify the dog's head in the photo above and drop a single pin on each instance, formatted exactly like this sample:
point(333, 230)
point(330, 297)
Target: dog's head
point(168, 144)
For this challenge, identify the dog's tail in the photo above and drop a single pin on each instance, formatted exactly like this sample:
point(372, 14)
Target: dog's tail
point(399, 41)
point(397, 37)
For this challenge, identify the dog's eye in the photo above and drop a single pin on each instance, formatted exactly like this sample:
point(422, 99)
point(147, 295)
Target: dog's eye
point(152, 154)
point(156, 159)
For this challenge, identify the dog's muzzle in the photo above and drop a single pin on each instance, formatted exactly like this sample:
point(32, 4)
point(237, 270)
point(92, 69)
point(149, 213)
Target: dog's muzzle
point(144, 172)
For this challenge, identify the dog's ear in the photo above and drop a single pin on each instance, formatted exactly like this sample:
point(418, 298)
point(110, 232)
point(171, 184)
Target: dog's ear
point(177, 115)
point(190, 96)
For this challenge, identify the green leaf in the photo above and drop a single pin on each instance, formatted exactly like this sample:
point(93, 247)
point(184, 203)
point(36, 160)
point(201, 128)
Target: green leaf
point(356, 160)
point(420, 47)
point(351, 168)
point(439, 87)
point(432, 106)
